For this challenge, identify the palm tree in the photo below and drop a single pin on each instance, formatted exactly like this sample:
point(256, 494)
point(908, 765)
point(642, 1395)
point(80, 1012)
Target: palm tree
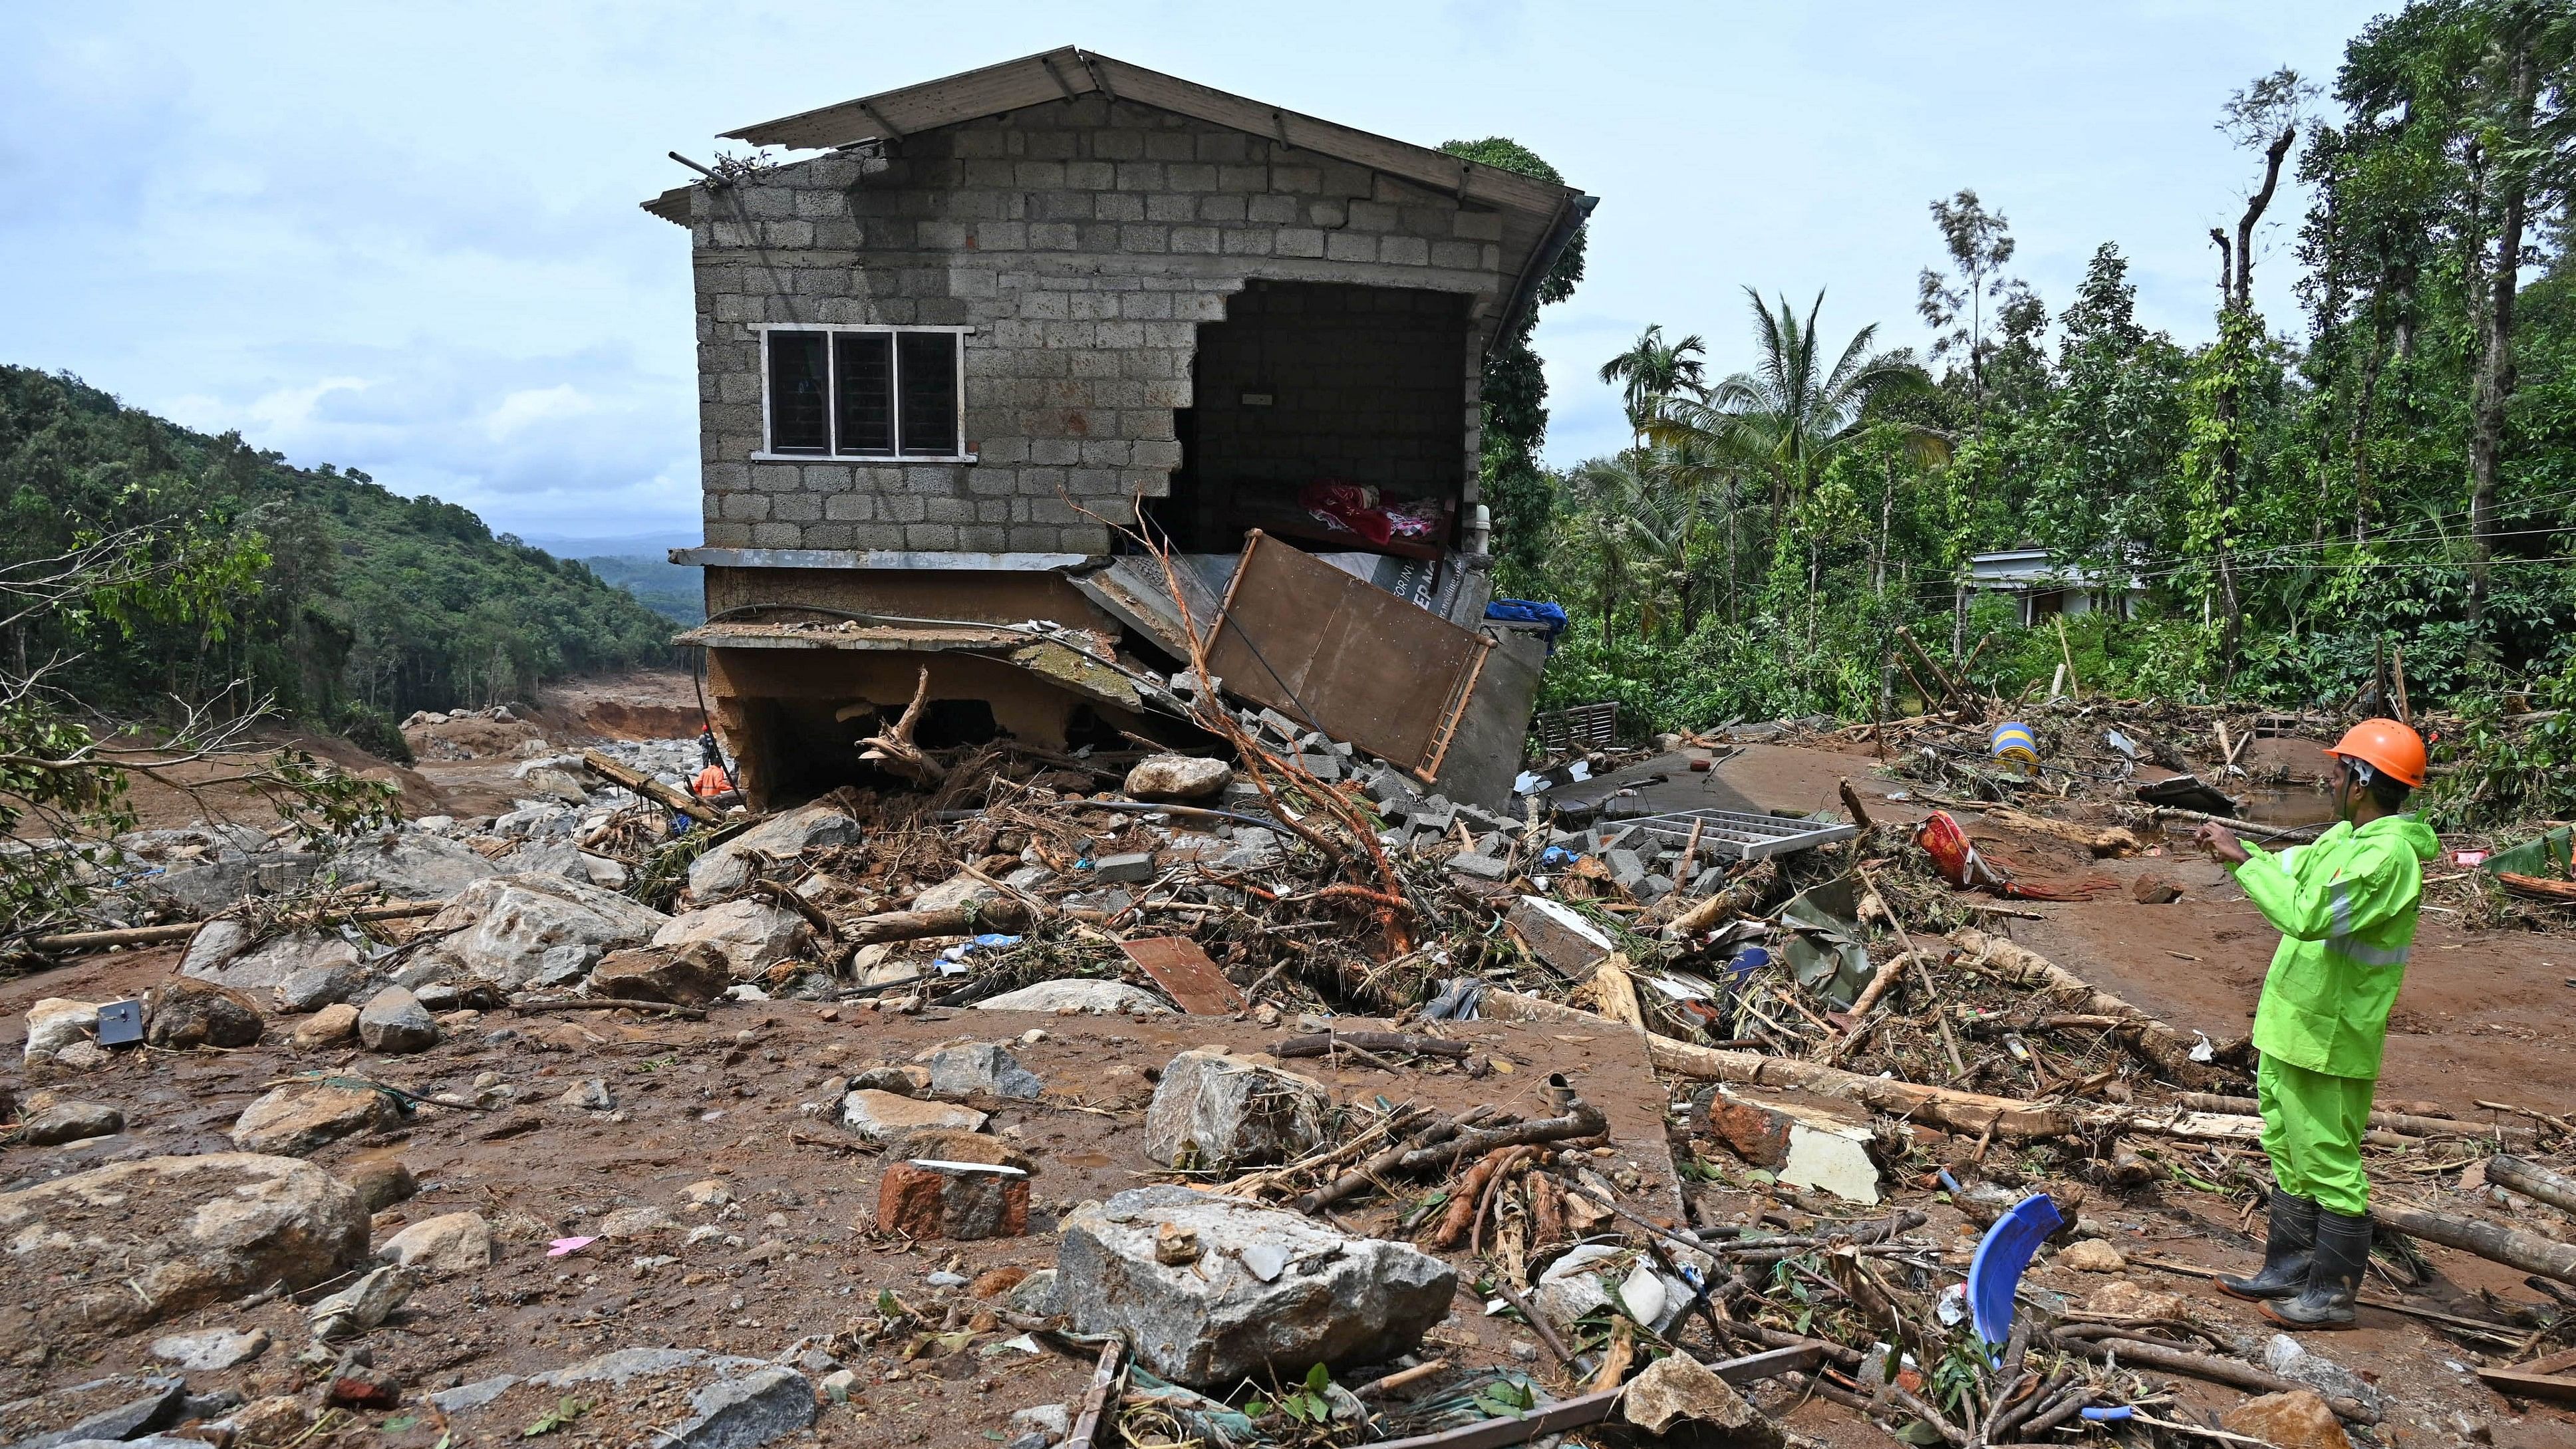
point(1791, 414)
point(1641, 523)
point(1652, 371)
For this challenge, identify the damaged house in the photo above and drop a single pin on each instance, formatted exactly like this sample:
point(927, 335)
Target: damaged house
point(952, 365)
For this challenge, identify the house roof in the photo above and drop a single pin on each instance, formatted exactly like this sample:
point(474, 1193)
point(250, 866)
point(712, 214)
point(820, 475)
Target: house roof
point(1538, 216)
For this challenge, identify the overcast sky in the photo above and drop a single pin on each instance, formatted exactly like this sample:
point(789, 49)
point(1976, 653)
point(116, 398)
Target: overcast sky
point(405, 239)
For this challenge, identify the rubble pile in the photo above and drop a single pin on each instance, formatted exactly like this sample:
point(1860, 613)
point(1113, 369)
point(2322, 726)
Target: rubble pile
point(1250, 1096)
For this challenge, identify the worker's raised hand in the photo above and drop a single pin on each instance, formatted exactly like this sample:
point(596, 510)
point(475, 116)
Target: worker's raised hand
point(2220, 841)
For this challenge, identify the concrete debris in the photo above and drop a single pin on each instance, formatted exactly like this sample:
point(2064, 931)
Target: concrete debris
point(1806, 1145)
point(1559, 935)
point(1214, 1110)
point(1339, 1299)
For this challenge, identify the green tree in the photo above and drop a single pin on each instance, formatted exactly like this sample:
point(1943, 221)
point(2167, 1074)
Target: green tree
point(1652, 370)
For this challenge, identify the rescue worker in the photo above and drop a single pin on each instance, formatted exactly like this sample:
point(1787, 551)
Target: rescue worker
point(2346, 908)
point(712, 783)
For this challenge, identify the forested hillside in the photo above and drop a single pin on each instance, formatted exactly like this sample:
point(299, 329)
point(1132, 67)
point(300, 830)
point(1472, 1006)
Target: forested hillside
point(2311, 504)
point(217, 563)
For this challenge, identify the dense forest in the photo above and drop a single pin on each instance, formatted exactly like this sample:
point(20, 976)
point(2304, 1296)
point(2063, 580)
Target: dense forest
point(2308, 505)
point(215, 574)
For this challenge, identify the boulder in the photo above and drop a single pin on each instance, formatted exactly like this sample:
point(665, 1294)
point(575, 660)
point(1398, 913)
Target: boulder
point(119, 1248)
point(302, 1117)
point(380, 1184)
point(211, 1350)
point(1215, 1110)
point(311, 988)
point(958, 890)
point(263, 967)
point(741, 1413)
point(885, 1117)
point(515, 930)
point(203, 890)
point(413, 866)
point(730, 866)
point(57, 1023)
point(930, 1198)
point(330, 1026)
point(1216, 1319)
point(1680, 1399)
point(188, 1013)
point(554, 784)
point(2296, 1419)
point(448, 1243)
point(980, 1069)
point(54, 1123)
point(753, 935)
point(394, 1021)
point(1178, 777)
point(1078, 996)
point(691, 975)
point(216, 942)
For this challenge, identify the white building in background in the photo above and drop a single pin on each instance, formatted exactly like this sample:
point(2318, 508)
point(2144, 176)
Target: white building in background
point(2044, 587)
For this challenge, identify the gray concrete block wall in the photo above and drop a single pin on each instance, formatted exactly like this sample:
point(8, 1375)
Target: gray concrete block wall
point(1085, 242)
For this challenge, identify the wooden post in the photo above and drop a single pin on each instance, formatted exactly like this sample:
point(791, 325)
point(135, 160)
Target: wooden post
point(648, 787)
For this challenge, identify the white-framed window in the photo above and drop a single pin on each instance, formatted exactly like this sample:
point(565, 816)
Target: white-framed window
point(830, 391)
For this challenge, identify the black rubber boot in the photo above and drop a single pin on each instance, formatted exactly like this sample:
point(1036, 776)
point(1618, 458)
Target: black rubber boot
point(2288, 1244)
point(2334, 1276)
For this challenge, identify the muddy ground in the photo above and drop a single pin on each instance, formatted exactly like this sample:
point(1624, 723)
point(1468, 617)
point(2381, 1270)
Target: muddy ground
point(738, 1099)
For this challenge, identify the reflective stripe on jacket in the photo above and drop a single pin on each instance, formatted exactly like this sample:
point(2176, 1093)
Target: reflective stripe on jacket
point(2345, 907)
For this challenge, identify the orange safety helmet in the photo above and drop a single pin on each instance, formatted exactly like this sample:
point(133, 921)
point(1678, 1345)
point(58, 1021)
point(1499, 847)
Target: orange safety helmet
point(2386, 746)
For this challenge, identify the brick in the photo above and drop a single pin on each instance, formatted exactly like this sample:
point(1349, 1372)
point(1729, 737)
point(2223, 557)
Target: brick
point(1343, 246)
point(930, 1198)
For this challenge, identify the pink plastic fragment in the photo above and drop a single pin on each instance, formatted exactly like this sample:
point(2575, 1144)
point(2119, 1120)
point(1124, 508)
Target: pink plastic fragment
point(563, 1246)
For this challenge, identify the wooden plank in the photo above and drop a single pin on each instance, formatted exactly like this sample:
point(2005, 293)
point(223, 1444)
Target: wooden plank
point(1314, 643)
point(1179, 967)
point(2524, 1385)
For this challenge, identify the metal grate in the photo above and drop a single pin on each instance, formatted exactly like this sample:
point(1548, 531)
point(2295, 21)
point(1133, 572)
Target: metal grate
point(1584, 727)
point(1744, 837)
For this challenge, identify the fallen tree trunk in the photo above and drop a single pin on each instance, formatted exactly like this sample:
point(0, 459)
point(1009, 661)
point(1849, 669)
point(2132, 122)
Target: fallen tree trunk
point(617, 773)
point(970, 919)
point(2530, 1252)
point(2168, 1050)
point(77, 941)
point(2203, 1366)
point(2533, 1180)
point(2408, 1123)
point(1316, 1044)
point(1741, 897)
point(1956, 1111)
point(2113, 841)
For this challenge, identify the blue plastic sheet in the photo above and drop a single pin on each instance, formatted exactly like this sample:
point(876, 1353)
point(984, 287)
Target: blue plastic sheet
point(1530, 611)
point(2002, 1256)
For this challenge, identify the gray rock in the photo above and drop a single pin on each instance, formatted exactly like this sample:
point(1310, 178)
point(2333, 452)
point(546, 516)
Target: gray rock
point(395, 1022)
point(448, 1243)
point(981, 1069)
point(311, 988)
point(1108, 902)
point(555, 785)
point(187, 1231)
point(203, 890)
point(1050, 1420)
point(128, 1421)
point(959, 889)
point(1213, 1109)
point(623, 1364)
point(212, 1350)
point(56, 1024)
point(1212, 1323)
point(1680, 1390)
point(1072, 996)
point(886, 1117)
point(471, 1396)
point(261, 968)
point(302, 1117)
point(509, 928)
point(412, 866)
point(1482, 867)
point(1178, 777)
point(2300, 1364)
point(749, 1411)
point(1035, 1294)
point(217, 942)
point(729, 867)
point(62, 1122)
point(1123, 869)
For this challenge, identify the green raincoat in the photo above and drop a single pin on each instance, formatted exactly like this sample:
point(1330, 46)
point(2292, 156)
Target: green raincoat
point(2345, 907)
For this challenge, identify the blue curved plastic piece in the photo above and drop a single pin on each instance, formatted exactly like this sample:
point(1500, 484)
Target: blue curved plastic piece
point(2112, 1415)
point(2002, 1254)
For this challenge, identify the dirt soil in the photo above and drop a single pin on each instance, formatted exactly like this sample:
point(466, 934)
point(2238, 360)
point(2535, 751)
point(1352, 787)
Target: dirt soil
point(732, 1099)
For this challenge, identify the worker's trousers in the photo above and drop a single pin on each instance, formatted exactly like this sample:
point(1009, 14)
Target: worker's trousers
point(2312, 1126)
